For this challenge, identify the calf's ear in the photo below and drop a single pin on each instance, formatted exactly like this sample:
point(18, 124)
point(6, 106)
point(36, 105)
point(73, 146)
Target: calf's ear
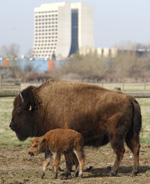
point(43, 140)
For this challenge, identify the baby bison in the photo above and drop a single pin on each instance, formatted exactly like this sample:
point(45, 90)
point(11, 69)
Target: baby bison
point(58, 141)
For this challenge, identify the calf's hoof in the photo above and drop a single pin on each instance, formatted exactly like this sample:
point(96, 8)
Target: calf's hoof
point(55, 176)
point(80, 176)
point(76, 174)
point(42, 175)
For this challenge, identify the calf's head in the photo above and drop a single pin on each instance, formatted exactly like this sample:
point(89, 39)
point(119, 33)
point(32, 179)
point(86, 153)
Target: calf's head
point(23, 114)
point(37, 146)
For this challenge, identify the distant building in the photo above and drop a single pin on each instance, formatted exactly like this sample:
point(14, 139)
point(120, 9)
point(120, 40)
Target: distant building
point(62, 28)
point(112, 52)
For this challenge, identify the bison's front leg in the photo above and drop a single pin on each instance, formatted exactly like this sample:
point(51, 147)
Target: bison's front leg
point(119, 156)
point(45, 164)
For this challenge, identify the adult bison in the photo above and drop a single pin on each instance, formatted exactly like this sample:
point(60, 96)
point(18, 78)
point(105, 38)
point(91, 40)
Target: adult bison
point(100, 115)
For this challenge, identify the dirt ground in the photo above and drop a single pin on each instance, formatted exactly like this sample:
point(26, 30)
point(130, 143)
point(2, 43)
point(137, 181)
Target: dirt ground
point(17, 167)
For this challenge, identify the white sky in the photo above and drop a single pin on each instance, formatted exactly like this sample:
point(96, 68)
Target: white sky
point(114, 21)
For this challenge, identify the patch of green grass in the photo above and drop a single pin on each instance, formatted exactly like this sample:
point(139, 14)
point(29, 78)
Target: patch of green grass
point(128, 87)
point(26, 173)
point(145, 140)
point(147, 173)
point(145, 108)
point(8, 93)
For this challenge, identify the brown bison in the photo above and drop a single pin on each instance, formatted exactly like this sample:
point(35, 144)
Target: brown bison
point(100, 115)
point(58, 141)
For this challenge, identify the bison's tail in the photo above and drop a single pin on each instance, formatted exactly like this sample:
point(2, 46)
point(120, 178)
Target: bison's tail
point(137, 119)
point(136, 122)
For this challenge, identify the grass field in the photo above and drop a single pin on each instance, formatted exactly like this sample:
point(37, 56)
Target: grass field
point(16, 166)
point(129, 87)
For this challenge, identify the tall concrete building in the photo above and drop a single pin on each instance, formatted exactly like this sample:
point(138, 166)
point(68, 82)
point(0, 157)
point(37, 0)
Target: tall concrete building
point(62, 29)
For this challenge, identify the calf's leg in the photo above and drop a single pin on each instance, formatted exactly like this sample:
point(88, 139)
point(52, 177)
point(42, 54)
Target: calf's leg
point(56, 162)
point(45, 164)
point(80, 155)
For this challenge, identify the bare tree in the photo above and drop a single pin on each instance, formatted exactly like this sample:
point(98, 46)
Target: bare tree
point(29, 53)
point(29, 67)
point(11, 53)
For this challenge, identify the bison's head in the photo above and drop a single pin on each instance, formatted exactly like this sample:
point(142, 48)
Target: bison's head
point(37, 146)
point(23, 114)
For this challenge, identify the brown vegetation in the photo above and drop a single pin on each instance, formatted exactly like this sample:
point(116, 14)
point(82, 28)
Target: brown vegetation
point(122, 67)
point(125, 66)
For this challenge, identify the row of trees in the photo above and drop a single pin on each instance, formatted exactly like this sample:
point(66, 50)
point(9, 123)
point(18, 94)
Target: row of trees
point(11, 52)
point(123, 66)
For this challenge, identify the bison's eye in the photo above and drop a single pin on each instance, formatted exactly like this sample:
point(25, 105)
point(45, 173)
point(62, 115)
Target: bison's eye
point(35, 146)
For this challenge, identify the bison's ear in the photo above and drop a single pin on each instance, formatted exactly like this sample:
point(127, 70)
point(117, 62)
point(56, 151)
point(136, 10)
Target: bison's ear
point(28, 96)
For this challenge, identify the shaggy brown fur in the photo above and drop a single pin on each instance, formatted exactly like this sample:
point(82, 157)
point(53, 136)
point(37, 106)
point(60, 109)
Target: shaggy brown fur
point(58, 141)
point(100, 115)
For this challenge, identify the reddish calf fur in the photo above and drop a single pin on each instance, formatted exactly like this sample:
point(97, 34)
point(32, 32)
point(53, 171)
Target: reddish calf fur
point(58, 141)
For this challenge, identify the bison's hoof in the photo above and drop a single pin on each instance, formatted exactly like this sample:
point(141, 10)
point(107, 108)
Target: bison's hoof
point(113, 173)
point(66, 173)
point(59, 169)
point(134, 173)
point(42, 175)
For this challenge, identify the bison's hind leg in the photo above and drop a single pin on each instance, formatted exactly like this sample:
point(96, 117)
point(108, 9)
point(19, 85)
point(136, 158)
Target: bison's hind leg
point(117, 143)
point(134, 145)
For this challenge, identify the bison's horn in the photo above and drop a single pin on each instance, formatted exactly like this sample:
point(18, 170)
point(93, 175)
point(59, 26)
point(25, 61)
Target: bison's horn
point(21, 97)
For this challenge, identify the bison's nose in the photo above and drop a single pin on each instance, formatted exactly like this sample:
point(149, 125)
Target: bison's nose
point(30, 153)
point(11, 126)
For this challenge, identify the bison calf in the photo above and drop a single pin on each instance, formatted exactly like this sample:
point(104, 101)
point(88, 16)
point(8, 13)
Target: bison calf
point(58, 141)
